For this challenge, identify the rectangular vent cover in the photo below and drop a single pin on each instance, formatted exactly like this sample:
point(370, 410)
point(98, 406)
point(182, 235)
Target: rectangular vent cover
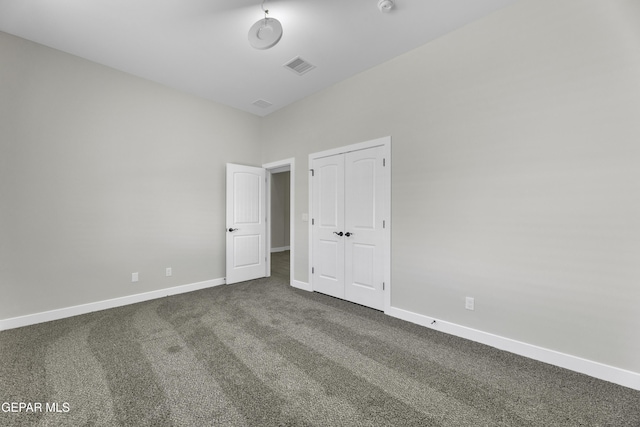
point(262, 103)
point(299, 66)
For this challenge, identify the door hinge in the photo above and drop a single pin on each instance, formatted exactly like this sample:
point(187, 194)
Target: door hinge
point(313, 270)
point(384, 162)
point(384, 224)
point(313, 221)
point(312, 172)
point(383, 286)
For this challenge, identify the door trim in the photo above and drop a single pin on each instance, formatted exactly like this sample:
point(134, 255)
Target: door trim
point(386, 143)
point(275, 167)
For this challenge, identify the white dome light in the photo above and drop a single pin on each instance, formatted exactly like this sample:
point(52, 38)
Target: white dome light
point(385, 5)
point(265, 33)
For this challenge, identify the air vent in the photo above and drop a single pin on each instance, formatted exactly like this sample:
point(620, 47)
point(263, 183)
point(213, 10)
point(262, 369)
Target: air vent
point(262, 103)
point(299, 66)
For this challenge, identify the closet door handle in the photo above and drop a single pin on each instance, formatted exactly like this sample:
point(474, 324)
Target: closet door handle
point(231, 230)
point(348, 234)
point(339, 234)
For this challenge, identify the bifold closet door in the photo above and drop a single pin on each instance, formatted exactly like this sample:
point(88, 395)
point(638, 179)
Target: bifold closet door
point(348, 238)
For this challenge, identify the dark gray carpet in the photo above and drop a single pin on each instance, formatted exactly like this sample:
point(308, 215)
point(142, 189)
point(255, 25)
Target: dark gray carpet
point(260, 353)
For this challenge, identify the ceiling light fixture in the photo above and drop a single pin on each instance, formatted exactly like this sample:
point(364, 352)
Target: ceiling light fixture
point(265, 33)
point(385, 5)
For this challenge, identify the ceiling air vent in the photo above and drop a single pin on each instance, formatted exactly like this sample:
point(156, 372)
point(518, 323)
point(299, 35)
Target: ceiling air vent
point(299, 66)
point(262, 103)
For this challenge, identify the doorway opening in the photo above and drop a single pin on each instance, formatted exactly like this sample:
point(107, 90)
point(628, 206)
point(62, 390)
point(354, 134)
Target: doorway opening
point(280, 209)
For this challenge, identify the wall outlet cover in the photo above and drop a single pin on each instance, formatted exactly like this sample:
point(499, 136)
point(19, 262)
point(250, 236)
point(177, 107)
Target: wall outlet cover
point(469, 303)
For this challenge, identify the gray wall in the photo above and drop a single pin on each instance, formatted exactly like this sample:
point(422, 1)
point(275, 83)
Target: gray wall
point(515, 177)
point(103, 174)
point(280, 210)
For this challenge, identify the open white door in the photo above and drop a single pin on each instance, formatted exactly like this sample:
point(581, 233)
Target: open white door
point(246, 223)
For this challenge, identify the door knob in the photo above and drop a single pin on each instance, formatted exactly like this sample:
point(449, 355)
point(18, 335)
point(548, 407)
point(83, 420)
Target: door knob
point(231, 230)
point(348, 234)
point(339, 234)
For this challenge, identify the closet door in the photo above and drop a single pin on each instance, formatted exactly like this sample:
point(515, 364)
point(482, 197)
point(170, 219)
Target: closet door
point(364, 234)
point(328, 225)
point(349, 196)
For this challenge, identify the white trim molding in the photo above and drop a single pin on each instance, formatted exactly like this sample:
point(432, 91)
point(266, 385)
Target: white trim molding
point(301, 285)
point(573, 363)
point(62, 313)
point(282, 249)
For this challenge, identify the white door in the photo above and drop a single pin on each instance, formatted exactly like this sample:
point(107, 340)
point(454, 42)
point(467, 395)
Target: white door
point(246, 223)
point(364, 204)
point(349, 201)
point(328, 225)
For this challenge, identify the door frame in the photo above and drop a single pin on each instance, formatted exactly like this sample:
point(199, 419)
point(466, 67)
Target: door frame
point(271, 168)
point(386, 143)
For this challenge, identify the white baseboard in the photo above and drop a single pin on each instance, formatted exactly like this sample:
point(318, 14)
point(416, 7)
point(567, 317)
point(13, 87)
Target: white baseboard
point(588, 367)
point(282, 249)
point(47, 316)
point(301, 285)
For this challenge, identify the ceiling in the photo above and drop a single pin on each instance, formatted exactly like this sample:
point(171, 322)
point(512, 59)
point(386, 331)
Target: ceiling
point(201, 46)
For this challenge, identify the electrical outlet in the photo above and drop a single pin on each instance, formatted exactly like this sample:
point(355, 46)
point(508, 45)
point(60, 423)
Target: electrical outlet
point(134, 277)
point(469, 303)
point(168, 271)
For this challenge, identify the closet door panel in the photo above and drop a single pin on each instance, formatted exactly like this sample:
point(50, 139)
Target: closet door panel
point(328, 222)
point(364, 235)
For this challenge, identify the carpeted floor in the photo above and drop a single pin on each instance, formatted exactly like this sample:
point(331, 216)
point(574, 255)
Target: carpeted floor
point(261, 353)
